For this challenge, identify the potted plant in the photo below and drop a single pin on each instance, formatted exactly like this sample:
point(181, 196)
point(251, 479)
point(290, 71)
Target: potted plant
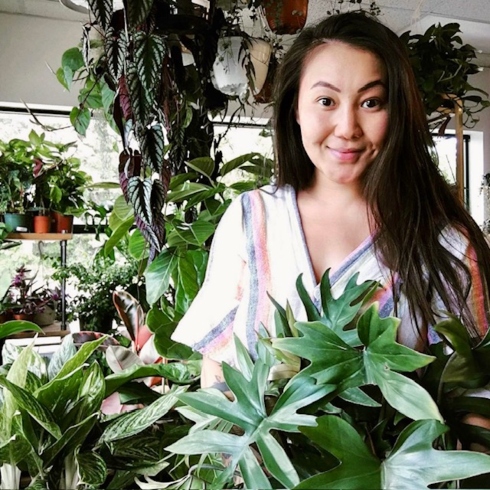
point(45, 305)
point(95, 283)
point(17, 181)
point(59, 184)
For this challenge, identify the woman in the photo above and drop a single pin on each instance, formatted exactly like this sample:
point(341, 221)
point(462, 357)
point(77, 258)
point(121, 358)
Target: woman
point(357, 191)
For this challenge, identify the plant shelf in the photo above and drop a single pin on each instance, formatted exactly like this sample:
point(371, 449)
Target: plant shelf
point(40, 236)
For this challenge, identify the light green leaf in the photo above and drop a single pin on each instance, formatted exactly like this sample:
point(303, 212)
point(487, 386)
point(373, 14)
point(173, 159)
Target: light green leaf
point(182, 192)
point(80, 119)
point(252, 473)
point(16, 326)
point(158, 274)
point(203, 165)
point(414, 463)
point(118, 234)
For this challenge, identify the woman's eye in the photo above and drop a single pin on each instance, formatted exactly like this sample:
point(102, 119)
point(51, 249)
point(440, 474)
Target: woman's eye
point(326, 102)
point(371, 103)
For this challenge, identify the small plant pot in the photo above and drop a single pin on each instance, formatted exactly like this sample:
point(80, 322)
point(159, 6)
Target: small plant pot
point(62, 223)
point(260, 54)
point(42, 224)
point(16, 222)
point(22, 316)
point(46, 317)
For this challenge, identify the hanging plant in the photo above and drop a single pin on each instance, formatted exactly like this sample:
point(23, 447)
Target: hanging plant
point(443, 64)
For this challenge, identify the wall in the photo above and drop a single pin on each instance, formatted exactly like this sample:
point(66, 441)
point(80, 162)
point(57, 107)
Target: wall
point(28, 45)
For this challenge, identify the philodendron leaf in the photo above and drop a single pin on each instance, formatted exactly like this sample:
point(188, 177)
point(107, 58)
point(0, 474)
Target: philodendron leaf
point(467, 367)
point(413, 462)
point(335, 362)
point(358, 467)
point(248, 411)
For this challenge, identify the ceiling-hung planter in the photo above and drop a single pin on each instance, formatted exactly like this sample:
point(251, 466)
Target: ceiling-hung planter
point(285, 17)
point(260, 55)
point(229, 73)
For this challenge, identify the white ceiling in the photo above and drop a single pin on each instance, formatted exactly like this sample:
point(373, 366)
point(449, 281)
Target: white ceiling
point(414, 15)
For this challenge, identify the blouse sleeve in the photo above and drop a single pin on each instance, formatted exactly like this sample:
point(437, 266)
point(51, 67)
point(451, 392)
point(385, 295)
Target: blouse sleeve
point(207, 326)
point(461, 248)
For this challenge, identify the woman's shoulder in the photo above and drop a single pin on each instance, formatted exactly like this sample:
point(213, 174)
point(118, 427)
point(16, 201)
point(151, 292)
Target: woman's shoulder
point(455, 240)
point(269, 195)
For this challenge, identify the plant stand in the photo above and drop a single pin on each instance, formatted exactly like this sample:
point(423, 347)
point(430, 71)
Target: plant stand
point(62, 238)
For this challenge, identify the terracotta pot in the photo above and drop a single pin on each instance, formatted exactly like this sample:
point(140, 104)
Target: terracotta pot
point(62, 223)
point(42, 224)
point(286, 16)
point(22, 316)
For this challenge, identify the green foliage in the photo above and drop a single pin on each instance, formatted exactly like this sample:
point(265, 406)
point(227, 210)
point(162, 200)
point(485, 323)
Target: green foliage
point(282, 428)
point(442, 64)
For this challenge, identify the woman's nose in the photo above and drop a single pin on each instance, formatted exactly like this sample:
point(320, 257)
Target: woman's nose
point(347, 124)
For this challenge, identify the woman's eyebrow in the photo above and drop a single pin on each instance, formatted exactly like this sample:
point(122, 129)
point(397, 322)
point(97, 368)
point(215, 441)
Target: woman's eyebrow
point(369, 85)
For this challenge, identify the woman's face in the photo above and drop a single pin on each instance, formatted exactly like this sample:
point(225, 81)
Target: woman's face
point(342, 111)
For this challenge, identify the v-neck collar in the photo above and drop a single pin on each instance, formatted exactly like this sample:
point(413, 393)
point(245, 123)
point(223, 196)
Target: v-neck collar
point(337, 273)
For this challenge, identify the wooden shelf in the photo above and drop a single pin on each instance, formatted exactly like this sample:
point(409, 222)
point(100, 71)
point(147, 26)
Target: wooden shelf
point(30, 335)
point(40, 236)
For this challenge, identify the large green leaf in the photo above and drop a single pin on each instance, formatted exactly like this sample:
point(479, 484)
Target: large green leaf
point(413, 462)
point(115, 48)
point(183, 191)
point(158, 274)
point(176, 372)
point(358, 467)
point(188, 277)
point(248, 411)
point(203, 165)
point(335, 362)
point(16, 326)
point(118, 234)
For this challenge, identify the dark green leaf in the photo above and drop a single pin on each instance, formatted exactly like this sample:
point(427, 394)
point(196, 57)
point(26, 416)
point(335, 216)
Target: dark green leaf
point(138, 11)
point(92, 469)
point(102, 10)
point(149, 53)
point(158, 274)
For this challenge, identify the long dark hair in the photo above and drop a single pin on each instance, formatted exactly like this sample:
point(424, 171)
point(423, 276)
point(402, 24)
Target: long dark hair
point(410, 200)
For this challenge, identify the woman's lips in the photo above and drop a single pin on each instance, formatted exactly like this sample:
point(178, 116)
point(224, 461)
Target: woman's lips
point(347, 154)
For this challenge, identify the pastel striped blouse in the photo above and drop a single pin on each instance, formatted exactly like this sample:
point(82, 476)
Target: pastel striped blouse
point(259, 249)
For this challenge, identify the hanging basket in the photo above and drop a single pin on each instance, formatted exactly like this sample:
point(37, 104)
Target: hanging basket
point(286, 17)
point(229, 75)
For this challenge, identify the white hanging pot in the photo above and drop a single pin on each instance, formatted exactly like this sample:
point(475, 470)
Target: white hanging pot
point(260, 55)
point(229, 74)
